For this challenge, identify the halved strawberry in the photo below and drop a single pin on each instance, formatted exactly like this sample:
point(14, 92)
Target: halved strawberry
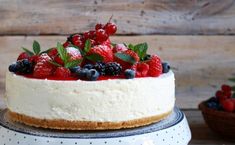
point(155, 66)
point(104, 51)
point(126, 65)
point(43, 68)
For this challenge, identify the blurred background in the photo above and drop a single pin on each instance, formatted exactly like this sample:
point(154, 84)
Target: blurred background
point(195, 36)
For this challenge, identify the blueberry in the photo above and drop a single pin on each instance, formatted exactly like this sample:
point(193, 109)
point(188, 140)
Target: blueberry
point(129, 73)
point(13, 67)
point(88, 66)
point(213, 99)
point(93, 75)
point(213, 105)
point(82, 73)
point(165, 67)
point(26, 62)
point(75, 69)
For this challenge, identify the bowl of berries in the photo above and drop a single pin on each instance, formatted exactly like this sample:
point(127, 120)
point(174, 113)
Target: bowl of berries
point(219, 111)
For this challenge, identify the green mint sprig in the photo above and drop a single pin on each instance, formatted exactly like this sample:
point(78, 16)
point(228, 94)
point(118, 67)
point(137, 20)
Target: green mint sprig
point(65, 58)
point(125, 57)
point(36, 49)
point(140, 49)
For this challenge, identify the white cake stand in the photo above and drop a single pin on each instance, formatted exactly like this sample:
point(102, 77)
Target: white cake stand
point(172, 131)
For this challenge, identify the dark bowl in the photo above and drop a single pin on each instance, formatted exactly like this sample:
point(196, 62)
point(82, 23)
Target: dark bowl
point(223, 123)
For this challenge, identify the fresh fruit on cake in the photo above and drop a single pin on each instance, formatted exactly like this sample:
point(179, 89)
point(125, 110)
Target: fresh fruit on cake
point(89, 83)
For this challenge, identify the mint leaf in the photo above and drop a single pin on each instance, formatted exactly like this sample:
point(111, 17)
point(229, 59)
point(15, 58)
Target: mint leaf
point(125, 57)
point(131, 46)
point(87, 45)
point(73, 63)
point(30, 53)
point(36, 47)
point(232, 79)
point(62, 52)
point(141, 50)
point(95, 57)
point(54, 63)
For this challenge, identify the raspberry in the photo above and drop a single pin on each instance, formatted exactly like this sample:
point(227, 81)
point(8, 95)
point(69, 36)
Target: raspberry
point(226, 88)
point(62, 72)
point(126, 65)
point(43, 68)
point(228, 105)
point(23, 55)
point(53, 53)
point(104, 51)
point(155, 66)
point(119, 48)
point(141, 69)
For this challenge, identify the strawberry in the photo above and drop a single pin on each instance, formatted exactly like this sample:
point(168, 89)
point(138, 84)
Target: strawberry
point(104, 51)
point(119, 48)
point(126, 65)
point(23, 55)
point(73, 53)
point(53, 53)
point(107, 43)
point(155, 66)
point(141, 69)
point(228, 105)
point(34, 59)
point(62, 72)
point(43, 68)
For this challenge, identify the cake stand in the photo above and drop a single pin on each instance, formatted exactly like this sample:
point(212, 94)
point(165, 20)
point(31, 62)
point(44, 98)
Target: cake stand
point(172, 131)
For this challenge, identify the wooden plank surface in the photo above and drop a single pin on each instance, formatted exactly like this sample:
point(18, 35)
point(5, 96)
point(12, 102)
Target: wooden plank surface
point(132, 16)
point(201, 63)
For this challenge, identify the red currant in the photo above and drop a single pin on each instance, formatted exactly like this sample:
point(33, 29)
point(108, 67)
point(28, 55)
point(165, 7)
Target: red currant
point(99, 26)
point(77, 40)
point(110, 28)
point(101, 35)
point(92, 34)
point(66, 44)
point(226, 88)
point(86, 35)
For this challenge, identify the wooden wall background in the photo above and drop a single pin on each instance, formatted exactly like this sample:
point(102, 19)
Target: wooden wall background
point(201, 62)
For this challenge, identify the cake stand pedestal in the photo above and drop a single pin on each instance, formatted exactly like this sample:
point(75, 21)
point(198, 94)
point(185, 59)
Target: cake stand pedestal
point(172, 131)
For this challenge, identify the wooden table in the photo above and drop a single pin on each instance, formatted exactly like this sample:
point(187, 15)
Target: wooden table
point(196, 37)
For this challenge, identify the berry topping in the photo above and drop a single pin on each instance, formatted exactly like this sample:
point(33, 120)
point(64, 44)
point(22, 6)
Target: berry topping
point(100, 67)
point(165, 67)
point(73, 53)
point(75, 69)
point(23, 66)
point(110, 28)
point(53, 53)
point(228, 105)
point(43, 68)
point(58, 60)
point(23, 55)
point(127, 64)
point(88, 66)
point(129, 74)
point(141, 69)
point(226, 88)
point(77, 40)
point(113, 68)
point(104, 51)
point(155, 66)
point(101, 35)
point(62, 72)
point(92, 75)
point(119, 48)
point(66, 44)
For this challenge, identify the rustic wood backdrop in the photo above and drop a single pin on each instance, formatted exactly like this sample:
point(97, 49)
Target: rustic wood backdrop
point(195, 36)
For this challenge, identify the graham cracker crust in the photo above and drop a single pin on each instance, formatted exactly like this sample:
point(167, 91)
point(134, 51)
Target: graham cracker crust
point(83, 125)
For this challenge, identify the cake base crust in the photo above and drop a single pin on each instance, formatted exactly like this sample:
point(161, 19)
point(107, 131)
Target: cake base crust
point(83, 125)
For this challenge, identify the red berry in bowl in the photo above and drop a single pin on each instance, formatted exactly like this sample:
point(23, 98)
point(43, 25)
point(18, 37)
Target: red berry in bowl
point(110, 28)
point(23, 55)
point(101, 35)
point(99, 26)
point(228, 105)
point(62, 72)
point(226, 88)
